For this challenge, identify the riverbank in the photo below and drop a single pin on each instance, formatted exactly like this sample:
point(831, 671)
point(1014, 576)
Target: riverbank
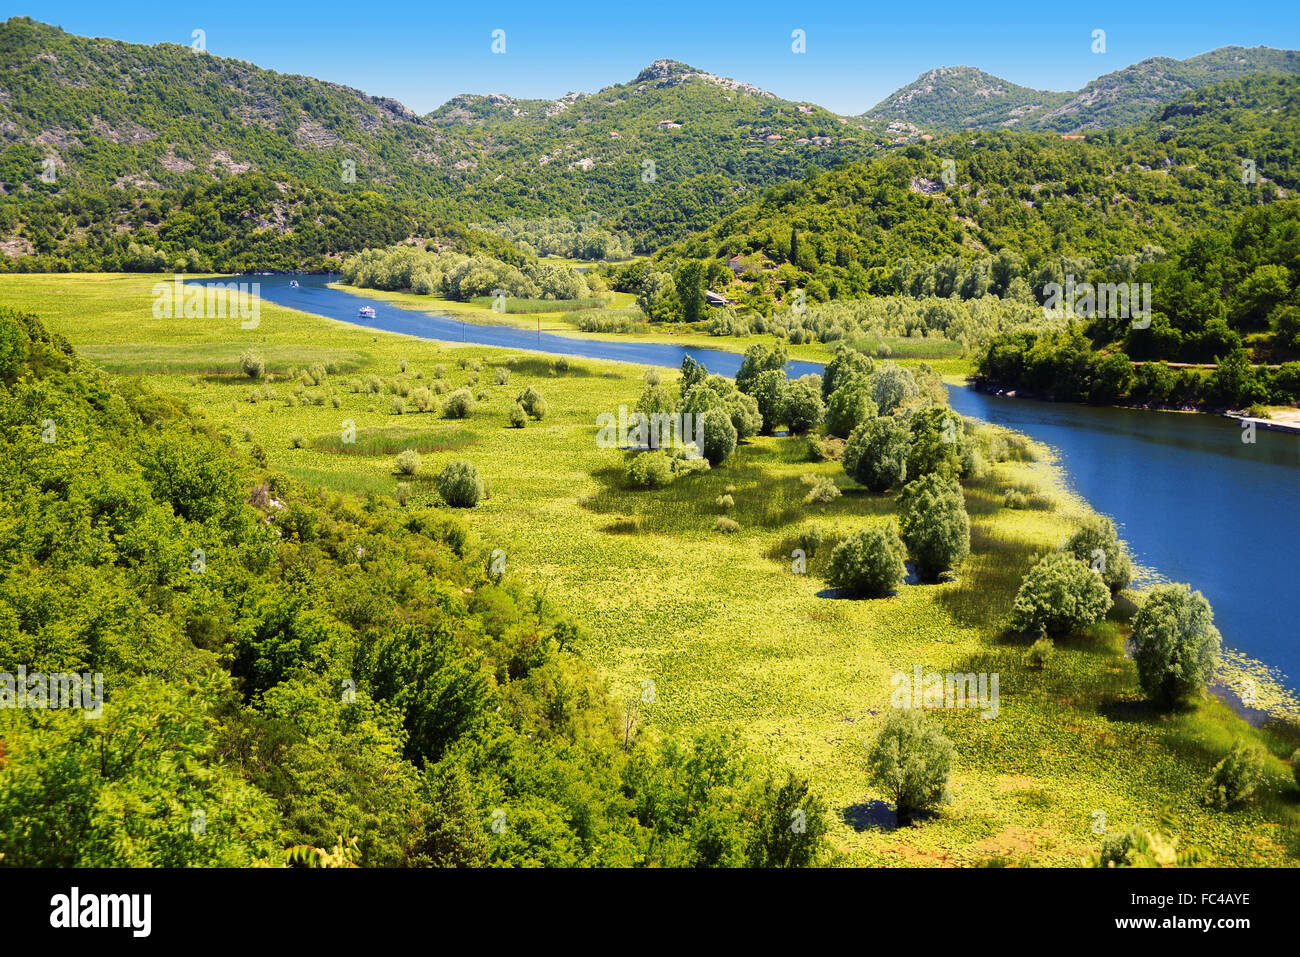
point(732, 639)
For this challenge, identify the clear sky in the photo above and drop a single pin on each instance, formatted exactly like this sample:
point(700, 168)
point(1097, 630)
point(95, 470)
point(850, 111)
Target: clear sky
point(423, 53)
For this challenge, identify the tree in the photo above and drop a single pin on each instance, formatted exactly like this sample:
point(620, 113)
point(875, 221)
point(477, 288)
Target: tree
point(846, 364)
point(768, 388)
point(802, 408)
point(689, 282)
point(1176, 644)
point(911, 761)
point(789, 824)
point(657, 297)
point(850, 405)
point(532, 402)
point(936, 443)
point(719, 436)
point(1059, 596)
point(459, 484)
point(933, 524)
point(876, 454)
point(891, 386)
point(1236, 777)
point(1097, 545)
point(869, 563)
point(758, 359)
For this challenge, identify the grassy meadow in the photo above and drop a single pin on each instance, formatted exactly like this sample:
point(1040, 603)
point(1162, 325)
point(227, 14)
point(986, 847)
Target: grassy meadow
point(729, 635)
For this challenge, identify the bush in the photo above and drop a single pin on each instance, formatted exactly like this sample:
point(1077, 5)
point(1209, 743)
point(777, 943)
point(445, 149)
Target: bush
point(850, 405)
point(252, 364)
point(876, 454)
point(403, 493)
point(719, 436)
point(802, 407)
point(650, 470)
point(1176, 646)
point(459, 404)
point(398, 405)
point(422, 399)
point(868, 563)
point(911, 761)
point(1236, 777)
point(1136, 847)
point(459, 484)
point(892, 386)
point(1060, 595)
point(1014, 499)
point(823, 493)
point(532, 402)
point(933, 524)
point(725, 525)
point(518, 417)
point(1097, 545)
point(374, 384)
point(408, 462)
point(936, 443)
point(725, 502)
point(298, 442)
point(810, 539)
point(1040, 653)
point(503, 375)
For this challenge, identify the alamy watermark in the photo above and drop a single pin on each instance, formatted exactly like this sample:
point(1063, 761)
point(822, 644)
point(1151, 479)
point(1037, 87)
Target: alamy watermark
point(56, 690)
point(215, 300)
point(1108, 300)
point(951, 690)
point(650, 430)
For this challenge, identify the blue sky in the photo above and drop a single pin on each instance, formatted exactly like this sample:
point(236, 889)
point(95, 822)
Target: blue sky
point(424, 53)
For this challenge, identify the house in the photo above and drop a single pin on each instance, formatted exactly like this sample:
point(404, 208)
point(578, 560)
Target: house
point(772, 137)
point(822, 140)
point(1072, 136)
point(716, 299)
point(737, 267)
point(669, 125)
point(803, 141)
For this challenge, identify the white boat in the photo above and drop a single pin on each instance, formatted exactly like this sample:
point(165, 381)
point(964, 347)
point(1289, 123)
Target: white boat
point(366, 312)
point(293, 284)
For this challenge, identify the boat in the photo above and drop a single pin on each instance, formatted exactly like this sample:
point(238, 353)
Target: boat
point(366, 312)
point(293, 284)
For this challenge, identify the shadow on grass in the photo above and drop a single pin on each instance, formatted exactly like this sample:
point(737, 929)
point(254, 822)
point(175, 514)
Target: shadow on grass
point(880, 816)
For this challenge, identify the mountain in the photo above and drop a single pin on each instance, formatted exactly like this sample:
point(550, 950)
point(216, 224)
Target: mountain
point(963, 97)
point(657, 156)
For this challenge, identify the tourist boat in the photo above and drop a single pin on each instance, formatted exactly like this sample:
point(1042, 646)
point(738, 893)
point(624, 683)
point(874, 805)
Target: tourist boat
point(366, 312)
point(293, 284)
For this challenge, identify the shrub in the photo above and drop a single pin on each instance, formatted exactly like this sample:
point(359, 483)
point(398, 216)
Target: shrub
point(810, 539)
point(726, 525)
point(518, 417)
point(440, 371)
point(408, 462)
point(891, 386)
point(850, 405)
point(403, 493)
point(298, 442)
point(1236, 777)
point(936, 443)
point(398, 405)
point(503, 375)
point(725, 501)
point(1137, 847)
point(1060, 595)
point(1040, 653)
point(459, 404)
point(459, 484)
point(422, 399)
point(911, 761)
point(823, 493)
point(650, 470)
point(1176, 646)
point(719, 436)
point(441, 386)
point(336, 402)
point(933, 524)
point(1014, 499)
point(532, 402)
point(868, 563)
point(876, 454)
point(802, 407)
point(252, 364)
point(652, 377)
point(374, 384)
point(1097, 545)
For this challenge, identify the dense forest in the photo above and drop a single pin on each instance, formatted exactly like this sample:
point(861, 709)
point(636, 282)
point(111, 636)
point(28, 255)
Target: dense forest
point(283, 666)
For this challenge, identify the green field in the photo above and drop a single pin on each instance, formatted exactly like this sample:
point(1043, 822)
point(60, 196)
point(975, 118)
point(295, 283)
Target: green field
point(730, 637)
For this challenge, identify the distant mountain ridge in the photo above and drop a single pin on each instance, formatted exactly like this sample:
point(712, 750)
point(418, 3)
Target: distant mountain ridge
point(963, 97)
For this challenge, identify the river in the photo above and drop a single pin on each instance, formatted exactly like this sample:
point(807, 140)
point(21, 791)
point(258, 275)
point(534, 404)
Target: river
point(1193, 500)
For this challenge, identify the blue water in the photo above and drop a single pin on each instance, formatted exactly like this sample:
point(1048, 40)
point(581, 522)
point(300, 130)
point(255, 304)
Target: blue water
point(1193, 501)
point(313, 295)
